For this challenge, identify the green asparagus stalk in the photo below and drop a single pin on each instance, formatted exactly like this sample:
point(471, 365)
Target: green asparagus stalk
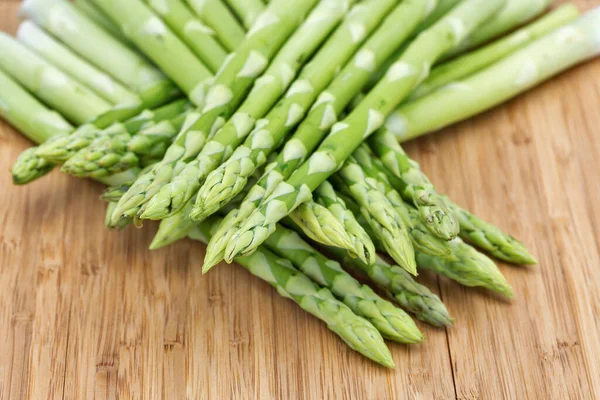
point(35, 121)
point(393, 323)
point(150, 34)
point(269, 87)
point(479, 59)
point(60, 148)
point(247, 10)
point(101, 49)
point(513, 14)
point(123, 148)
point(401, 286)
point(91, 11)
point(217, 16)
point(229, 89)
point(520, 71)
point(356, 331)
point(379, 212)
point(222, 184)
point(477, 270)
point(345, 136)
point(362, 245)
point(73, 100)
point(196, 35)
point(414, 186)
point(63, 58)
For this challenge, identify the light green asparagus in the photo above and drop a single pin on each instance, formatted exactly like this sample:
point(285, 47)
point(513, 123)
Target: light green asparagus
point(87, 8)
point(229, 89)
point(152, 36)
point(35, 121)
point(73, 100)
point(479, 59)
point(383, 219)
point(94, 44)
point(356, 331)
point(196, 35)
point(219, 18)
point(247, 10)
point(268, 89)
point(393, 323)
point(62, 147)
point(227, 179)
point(401, 286)
point(119, 148)
point(513, 14)
point(474, 268)
point(64, 59)
point(415, 187)
point(362, 245)
point(520, 71)
point(404, 75)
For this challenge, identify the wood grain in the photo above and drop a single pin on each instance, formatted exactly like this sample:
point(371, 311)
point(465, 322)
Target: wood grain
point(88, 313)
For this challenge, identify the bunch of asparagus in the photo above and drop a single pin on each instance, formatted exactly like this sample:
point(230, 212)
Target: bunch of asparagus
point(271, 131)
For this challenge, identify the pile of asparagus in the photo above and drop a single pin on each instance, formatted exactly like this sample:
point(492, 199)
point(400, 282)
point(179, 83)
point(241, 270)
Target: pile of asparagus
point(271, 131)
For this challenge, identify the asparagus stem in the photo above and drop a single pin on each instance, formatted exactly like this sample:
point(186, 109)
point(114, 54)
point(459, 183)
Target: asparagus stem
point(269, 88)
point(356, 331)
point(393, 323)
point(158, 42)
point(73, 100)
point(99, 48)
point(247, 10)
point(217, 16)
point(520, 71)
point(62, 147)
point(412, 67)
point(477, 60)
point(87, 8)
point(513, 14)
point(414, 186)
point(196, 35)
point(401, 286)
point(229, 89)
point(227, 180)
point(63, 58)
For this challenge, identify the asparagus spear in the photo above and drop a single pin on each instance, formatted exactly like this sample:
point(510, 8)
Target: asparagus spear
point(73, 100)
point(62, 147)
point(269, 87)
point(63, 58)
point(345, 136)
point(150, 34)
point(379, 212)
point(513, 14)
point(195, 34)
point(101, 49)
point(124, 148)
point(477, 60)
point(415, 187)
point(475, 269)
point(323, 114)
point(393, 323)
point(362, 245)
point(35, 121)
point(356, 331)
point(522, 70)
point(247, 10)
point(87, 8)
point(401, 286)
point(217, 16)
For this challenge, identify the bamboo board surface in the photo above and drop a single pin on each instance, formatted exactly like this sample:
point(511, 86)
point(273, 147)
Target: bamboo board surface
point(88, 313)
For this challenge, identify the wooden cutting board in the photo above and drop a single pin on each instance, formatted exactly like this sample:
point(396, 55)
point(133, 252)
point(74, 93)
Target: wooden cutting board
point(88, 313)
